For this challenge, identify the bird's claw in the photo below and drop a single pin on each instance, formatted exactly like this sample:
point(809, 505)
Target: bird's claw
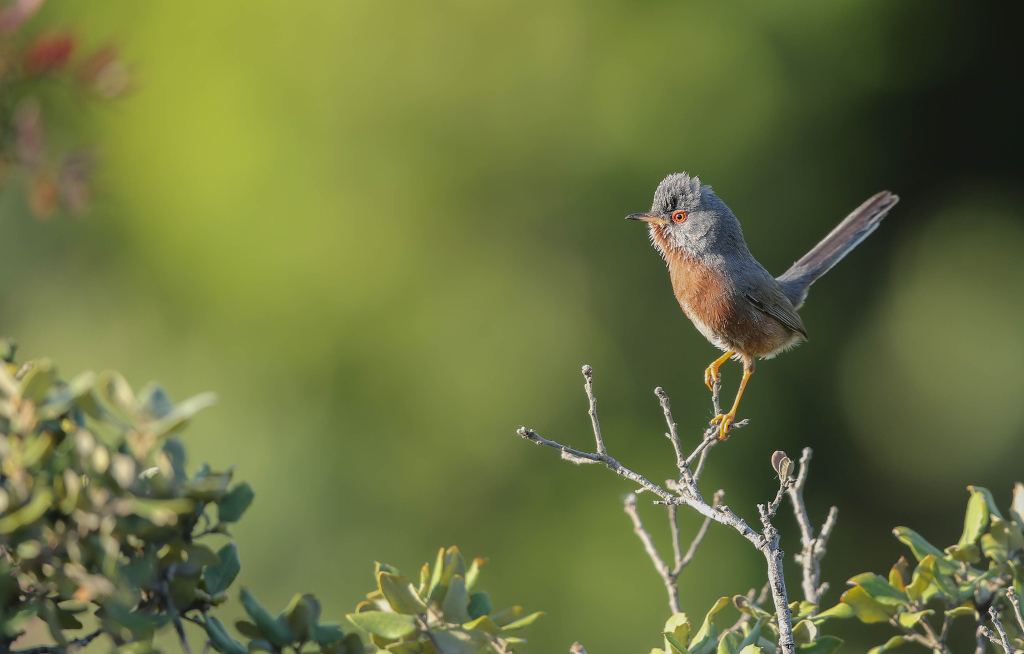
point(723, 421)
point(711, 377)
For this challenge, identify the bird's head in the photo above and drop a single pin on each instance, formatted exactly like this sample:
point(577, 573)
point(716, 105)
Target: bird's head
point(686, 216)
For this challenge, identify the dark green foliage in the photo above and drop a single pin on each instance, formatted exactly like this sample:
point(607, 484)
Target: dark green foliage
point(104, 528)
point(963, 581)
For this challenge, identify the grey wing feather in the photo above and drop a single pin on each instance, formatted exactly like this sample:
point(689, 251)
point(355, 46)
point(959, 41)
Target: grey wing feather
point(775, 304)
point(855, 228)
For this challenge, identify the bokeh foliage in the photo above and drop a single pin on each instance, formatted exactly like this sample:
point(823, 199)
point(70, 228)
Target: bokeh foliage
point(103, 529)
point(388, 231)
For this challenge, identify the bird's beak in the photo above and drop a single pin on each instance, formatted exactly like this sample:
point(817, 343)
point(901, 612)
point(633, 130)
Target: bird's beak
point(647, 218)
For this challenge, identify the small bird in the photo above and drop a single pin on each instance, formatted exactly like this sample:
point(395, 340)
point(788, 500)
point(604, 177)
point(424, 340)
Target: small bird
point(731, 299)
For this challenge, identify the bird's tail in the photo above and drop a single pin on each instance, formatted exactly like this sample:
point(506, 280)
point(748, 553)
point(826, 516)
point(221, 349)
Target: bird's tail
point(846, 236)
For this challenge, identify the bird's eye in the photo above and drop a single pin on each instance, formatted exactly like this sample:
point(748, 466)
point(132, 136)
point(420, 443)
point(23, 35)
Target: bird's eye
point(679, 216)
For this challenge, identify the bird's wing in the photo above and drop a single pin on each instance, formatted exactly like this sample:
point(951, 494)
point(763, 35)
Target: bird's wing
point(772, 302)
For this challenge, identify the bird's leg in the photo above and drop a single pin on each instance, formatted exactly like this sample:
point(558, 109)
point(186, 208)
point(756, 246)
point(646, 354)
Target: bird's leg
point(724, 421)
point(711, 373)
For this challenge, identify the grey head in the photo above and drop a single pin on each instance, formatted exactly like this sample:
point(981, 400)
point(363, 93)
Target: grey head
point(690, 218)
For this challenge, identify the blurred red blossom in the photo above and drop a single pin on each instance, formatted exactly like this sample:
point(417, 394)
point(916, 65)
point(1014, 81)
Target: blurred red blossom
point(52, 181)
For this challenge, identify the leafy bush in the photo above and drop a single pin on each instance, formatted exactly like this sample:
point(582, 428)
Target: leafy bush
point(102, 523)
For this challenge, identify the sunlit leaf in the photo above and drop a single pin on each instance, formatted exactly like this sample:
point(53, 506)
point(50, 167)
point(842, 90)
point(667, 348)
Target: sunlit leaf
point(976, 519)
point(865, 607)
point(400, 594)
point(892, 643)
point(381, 623)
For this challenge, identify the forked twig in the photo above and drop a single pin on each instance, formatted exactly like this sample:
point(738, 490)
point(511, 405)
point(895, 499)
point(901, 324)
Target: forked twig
point(685, 491)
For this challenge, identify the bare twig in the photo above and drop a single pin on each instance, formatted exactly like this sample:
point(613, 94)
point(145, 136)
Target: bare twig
point(588, 384)
point(652, 552)
point(979, 637)
point(1011, 594)
point(1003, 640)
point(813, 546)
point(73, 646)
point(774, 555)
point(669, 576)
point(685, 492)
point(699, 538)
point(673, 431)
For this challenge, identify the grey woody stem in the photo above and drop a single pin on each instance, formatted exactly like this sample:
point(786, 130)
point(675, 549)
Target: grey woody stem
point(686, 492)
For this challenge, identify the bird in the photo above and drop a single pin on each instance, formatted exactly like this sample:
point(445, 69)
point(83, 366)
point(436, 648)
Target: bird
point(725, 292)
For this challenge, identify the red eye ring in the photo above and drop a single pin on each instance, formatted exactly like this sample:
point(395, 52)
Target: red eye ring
point(679, 216)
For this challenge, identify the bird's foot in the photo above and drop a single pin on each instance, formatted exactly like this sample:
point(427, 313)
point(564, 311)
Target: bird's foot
point(724, 422)
point(712, 377)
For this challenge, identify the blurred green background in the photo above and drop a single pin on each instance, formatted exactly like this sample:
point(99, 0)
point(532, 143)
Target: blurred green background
point(389, 233)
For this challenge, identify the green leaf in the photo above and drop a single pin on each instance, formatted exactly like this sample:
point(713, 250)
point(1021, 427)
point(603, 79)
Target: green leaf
point(435, 577)
point(218, 577)
point(29, 512)
point(865, 607)
point(525, 621)
point(154, 400)
point(451, 565)
point(677, 626)
point(910, 618)
point(508, 616)
point(975, 521)
point(1017, 507)
point(674, 645)
point(400, 594)
point(220, 640)
point(483, 623)
point(706, 638)
point(751, 649)
point(233, 504)
point(899, 575)
point(746, 606)
point(824, 645)
point(479, 605)
point(248, 629)
point(993, 506)
point(261, 645)
point(384, 624)
point(960, 611)
point(455, 600)
point(922, 548)
point(924, 574)
point(38, 380)
point(805, 631)
point(838, 612)
point(473, 572)
point(460, 641)
point(879, 589)
point(181, 414)
point(277, 631)
point(754, 637)
point(302, 615)
point(328, 633)
point(8, 384)
point(892, 643)
point(729, 643)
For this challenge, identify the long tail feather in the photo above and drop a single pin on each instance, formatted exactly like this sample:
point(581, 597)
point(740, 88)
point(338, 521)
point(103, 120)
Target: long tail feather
point(846, 236)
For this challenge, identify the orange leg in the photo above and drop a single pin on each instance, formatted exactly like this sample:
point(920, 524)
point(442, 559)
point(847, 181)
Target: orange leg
point(724, 421)
point(711, 373)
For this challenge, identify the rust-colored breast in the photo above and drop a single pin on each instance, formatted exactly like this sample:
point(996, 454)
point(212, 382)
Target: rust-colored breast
point(729, 322)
